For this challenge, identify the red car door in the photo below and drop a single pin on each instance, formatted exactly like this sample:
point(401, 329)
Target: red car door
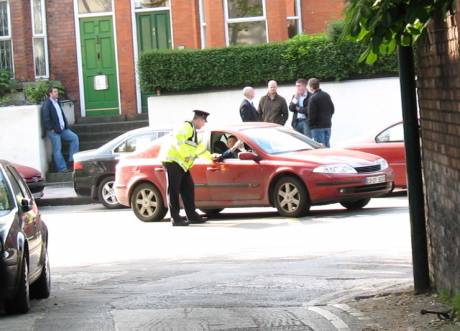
point(235, 180)
point(199, 175)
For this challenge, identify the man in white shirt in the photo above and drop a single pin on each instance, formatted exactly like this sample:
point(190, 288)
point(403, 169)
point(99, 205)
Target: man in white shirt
point(55, 124)
point(298, 106)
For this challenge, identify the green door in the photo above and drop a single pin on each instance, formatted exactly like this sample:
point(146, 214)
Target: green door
point(153, 32)
point(99, 66)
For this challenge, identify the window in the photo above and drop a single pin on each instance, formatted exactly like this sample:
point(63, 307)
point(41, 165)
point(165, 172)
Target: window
point(246, 22)
point(294, 24)
point(280, 140)
point(136, 143)
point(94, 6)
point(140, 4)
point(394, 133)
point(39, 38)
point(6, 201)
point(6, 57)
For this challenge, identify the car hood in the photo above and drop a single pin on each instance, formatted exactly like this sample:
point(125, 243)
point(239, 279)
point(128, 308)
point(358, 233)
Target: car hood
point(332, 156)
point(27, 172)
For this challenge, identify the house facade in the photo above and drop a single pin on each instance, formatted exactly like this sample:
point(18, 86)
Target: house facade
point(92, 46)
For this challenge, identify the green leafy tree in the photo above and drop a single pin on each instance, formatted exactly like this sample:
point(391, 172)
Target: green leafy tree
point(382, 25)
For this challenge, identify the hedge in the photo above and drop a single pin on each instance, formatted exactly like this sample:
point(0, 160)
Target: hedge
point(237, 66)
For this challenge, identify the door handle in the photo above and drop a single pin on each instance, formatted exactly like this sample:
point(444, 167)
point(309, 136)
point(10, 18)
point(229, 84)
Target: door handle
point(159, 170)
point(212, 169)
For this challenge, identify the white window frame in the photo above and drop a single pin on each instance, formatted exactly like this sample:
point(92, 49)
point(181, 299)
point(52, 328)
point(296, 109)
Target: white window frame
point(9, 37)
point(202, 24)
point(298, 17)
point(43, 35)
point(134, 11)
point(245, 20)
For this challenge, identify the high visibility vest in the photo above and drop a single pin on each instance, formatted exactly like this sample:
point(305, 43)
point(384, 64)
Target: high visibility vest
point(185, 147)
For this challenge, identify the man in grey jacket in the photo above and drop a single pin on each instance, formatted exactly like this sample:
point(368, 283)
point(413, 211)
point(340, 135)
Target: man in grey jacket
point(272, 106)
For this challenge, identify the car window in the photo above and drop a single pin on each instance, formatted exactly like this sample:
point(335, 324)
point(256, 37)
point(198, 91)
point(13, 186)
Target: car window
point(280, 140)
point(394, 133)
point(136, 143)
point(6, 200)
point(17, 191)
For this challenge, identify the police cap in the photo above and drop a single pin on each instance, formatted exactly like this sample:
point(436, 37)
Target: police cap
point(201, 113)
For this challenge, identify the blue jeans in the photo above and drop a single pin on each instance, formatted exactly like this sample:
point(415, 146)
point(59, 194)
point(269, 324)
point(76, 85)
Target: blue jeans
point(56, 143)
point(322, 136)
point(302, 127)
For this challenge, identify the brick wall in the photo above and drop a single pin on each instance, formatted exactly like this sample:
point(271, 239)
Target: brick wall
point(276, 19)
point(215, 23)
point(439, 100)
point(185, 19)
point(62, 48)
point(125, 51)
point(317, 14)
point(21, 32)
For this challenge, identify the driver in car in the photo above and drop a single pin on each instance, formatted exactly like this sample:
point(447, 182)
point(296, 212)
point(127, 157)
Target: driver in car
point(234, 146)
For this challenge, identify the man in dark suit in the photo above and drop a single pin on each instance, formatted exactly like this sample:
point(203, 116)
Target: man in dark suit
point(56, 127)
point(320, 111)
point(248, 112)
point(298, 106)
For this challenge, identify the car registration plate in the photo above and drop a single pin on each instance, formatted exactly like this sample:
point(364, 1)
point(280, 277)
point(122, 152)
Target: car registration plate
point(375, 179)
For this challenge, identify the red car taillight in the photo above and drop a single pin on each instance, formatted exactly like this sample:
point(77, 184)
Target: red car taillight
point(77, 166)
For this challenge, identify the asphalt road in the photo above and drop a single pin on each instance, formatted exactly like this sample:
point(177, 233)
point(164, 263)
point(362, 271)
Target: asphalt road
point(248, 269)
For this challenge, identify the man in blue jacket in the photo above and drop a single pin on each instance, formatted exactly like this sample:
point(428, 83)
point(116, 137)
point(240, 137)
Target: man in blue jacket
point(57, 128)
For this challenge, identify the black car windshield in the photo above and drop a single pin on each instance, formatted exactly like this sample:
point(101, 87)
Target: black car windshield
point(6, 203)
point(280, 140)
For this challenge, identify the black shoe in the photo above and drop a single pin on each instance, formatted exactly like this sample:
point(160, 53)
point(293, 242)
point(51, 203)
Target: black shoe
point(199, 220)
point(179, 222)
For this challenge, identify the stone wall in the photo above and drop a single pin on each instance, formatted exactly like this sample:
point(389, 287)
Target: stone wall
point(439, 101)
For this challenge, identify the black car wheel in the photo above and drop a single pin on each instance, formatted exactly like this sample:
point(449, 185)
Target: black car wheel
point(147, 203)
point(106, 193)
point(211, 211)
point(20, 303)
point(41, 288)
point(290, 197)
point(355, 205)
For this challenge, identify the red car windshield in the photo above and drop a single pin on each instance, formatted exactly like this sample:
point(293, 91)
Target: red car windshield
point(280, 140)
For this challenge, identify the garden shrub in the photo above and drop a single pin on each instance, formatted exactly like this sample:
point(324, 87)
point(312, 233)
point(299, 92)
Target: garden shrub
point(304, 56)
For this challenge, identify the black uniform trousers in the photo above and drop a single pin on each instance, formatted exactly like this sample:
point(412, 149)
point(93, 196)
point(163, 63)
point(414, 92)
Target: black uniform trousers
point(180, 182)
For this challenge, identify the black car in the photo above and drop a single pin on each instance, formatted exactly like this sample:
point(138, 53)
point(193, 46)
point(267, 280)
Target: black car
point(94, 170)
point(24, 263)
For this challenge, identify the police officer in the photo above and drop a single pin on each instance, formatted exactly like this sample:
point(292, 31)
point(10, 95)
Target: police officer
point(184, 149)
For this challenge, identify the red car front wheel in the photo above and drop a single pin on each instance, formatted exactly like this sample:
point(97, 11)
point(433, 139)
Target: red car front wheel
point(291, 197)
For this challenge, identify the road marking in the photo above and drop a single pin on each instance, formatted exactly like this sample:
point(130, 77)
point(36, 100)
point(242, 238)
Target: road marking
point(358, 314)
point(336, 321)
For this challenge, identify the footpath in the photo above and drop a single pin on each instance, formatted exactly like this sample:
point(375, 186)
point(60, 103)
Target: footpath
point(62, 194)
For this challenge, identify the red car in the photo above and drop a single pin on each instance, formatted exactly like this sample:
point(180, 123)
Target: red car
point(33, 179)
point(389, 144)
point(279, 167)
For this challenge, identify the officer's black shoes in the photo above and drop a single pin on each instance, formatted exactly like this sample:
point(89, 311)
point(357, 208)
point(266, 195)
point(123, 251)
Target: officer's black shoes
point(180, 223)
point(199, 220)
